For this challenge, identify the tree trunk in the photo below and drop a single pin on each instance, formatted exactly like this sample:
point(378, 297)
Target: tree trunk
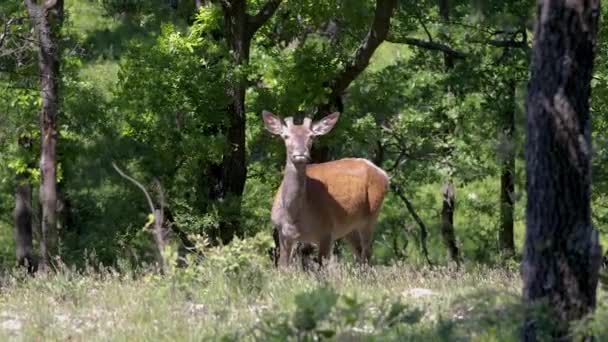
point(507, 182)
point(444, 12)
point(448, 191)
point(562, 254)
point(46, 18)
point(447, 222)
point(23, 224)
point(239, 27)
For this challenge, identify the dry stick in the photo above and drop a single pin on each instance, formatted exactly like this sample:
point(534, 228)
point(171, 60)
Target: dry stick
point(157, 213)
point(423, 230)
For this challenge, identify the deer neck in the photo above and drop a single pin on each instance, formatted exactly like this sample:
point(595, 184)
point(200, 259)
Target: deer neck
point(293, 194)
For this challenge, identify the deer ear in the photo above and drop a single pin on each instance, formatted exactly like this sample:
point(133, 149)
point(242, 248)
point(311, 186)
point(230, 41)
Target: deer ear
point(325, 125)
point(273, 123)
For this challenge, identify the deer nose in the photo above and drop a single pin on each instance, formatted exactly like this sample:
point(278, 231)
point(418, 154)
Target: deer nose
point(300, 158)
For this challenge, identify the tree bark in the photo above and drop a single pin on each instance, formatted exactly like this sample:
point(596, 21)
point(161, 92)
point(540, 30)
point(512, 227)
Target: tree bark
point(448, 191)
point(46, 18)
point(507, 182)
point(240, 27)
point(562, 255)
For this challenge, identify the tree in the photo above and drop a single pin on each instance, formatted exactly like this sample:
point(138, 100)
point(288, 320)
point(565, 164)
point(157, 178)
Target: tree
point(562, 253)
point(229, 177)
point(507, 176)
point(46, 18)
point(378, 32)
point(448, 191)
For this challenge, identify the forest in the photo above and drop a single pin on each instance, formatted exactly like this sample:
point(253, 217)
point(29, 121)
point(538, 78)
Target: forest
point(146, 148)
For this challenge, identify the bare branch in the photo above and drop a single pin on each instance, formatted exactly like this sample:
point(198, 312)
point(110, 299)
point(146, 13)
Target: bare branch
point(507, 43)
point(256, 21)
point(138, 184)
point(426, 30)
point(423, 231)
point(428, 45)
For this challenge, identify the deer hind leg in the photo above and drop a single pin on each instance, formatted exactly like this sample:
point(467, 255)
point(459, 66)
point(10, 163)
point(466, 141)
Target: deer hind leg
point(325, 244)
point(354, 241)
point(366, 239)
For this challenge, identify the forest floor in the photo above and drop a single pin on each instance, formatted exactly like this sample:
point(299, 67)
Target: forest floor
point(343, 302)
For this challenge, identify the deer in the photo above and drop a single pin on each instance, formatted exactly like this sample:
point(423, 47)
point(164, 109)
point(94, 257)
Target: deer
point(320, 203)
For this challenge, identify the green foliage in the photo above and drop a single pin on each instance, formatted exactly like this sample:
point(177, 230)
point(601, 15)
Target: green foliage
point(242, 264)
point(113, 7)
point(240, 255)
point(322, 314)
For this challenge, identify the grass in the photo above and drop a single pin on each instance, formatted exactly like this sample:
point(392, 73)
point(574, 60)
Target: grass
point(204, 303)
point(234, 294)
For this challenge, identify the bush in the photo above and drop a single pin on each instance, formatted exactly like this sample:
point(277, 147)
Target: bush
point(323, 313)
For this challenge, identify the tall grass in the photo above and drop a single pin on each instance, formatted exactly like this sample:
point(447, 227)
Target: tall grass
point(234, 293)
point(204, 303)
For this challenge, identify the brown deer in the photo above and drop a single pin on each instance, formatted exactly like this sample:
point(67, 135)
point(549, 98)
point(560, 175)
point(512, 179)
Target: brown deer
point(319, 203)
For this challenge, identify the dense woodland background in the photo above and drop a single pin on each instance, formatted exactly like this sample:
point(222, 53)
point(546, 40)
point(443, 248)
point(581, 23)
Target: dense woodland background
point(172, 92)
point(144, 84)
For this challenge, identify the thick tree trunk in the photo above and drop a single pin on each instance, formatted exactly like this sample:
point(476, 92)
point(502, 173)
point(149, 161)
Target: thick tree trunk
point(562, 254)
point(507, 178)
point(46, 17)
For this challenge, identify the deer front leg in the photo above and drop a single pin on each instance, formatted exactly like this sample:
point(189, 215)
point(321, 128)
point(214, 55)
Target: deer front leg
point(286, 246)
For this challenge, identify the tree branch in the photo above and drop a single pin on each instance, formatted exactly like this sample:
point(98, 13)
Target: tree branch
point(423, 231)
point(5, 31)
point(138, 184)
point(428, 46)
point(256, 21)
point(376, 35)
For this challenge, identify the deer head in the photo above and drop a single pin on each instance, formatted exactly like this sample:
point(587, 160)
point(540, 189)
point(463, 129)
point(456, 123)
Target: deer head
point(298, 138)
